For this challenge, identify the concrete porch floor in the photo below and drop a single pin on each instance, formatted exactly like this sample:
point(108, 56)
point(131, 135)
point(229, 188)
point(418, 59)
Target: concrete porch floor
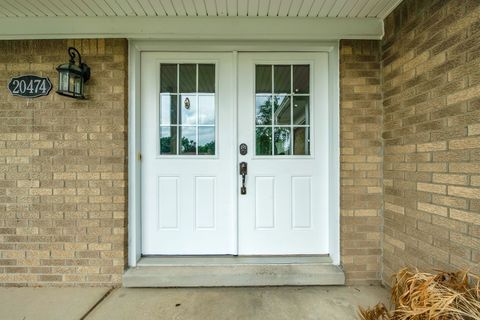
point(326, 302)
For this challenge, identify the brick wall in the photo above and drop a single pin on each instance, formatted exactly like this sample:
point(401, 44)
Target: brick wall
point(431, 75)
point(361, 160)
point(63, 169)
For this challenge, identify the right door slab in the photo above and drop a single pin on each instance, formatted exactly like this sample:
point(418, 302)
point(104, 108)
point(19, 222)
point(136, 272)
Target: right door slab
point(283, 119)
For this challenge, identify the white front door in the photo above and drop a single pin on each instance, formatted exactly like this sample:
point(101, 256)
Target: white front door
point(188, 153)
point(191, 135)
point(283, 118)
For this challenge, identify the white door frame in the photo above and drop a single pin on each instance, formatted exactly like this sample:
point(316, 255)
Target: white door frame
point(134, 125)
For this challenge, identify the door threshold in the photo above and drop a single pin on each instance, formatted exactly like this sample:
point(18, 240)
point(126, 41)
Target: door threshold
point(231, 271)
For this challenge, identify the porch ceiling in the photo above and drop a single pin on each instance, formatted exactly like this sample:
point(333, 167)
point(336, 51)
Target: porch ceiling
point(252, 8)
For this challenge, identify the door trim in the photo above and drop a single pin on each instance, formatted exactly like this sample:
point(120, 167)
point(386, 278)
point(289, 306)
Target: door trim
point(134, 125)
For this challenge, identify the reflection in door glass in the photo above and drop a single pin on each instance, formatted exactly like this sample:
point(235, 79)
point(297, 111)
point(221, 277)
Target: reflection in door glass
point(206, 140)
point(187, 110)
point(188, 144)
point(263, 107)
point(263, 143)
point(168, 140)
point(282, 141)
point(284, 127)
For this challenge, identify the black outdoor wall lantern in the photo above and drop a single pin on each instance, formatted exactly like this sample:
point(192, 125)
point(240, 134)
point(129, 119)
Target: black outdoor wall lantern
point(72, 77)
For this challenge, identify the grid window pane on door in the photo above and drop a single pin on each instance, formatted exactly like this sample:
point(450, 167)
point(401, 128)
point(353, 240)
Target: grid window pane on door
point(282, 109)
point(187, 109)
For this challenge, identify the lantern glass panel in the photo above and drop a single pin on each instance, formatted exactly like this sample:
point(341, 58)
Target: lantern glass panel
point(78, 86)
point(63, 80)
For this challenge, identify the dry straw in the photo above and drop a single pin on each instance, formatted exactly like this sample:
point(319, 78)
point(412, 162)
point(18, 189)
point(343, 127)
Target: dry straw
point(426, 296)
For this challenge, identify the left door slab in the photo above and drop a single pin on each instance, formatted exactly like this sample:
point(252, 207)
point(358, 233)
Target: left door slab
point(188, 149)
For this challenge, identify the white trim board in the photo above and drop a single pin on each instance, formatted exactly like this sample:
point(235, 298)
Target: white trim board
point(190, 28)
point(134, 164)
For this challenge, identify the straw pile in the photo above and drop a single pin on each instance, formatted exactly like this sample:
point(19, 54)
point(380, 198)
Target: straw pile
point(426, 296)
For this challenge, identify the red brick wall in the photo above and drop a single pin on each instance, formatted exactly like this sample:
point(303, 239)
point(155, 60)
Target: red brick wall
point(431, 87)
point(63, 169)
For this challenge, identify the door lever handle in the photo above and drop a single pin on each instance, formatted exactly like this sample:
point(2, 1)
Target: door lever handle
point(243, 173)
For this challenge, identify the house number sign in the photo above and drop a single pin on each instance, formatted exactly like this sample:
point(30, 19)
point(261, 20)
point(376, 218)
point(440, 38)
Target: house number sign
point(29, 86)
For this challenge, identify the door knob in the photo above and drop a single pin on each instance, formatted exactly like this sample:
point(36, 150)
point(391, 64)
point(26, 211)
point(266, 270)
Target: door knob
point(243, 173)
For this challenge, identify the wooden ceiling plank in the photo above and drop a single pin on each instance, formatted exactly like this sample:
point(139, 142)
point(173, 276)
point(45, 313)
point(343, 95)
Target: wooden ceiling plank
point(7, 11)
point(221, 8)
point(232, 8)
point(125, 6)
point(37, 7)
point(92, 4)
point(242, 8)
point(115, 7)
point(179, 8)
point(52, 7)
point(337, 7)
point(252, 8)
point(137, 8)
point(211, 7)
point(305, 8)
point(82, 7)
point(263, 6)
point(327, 6)
point(273, 7)
point(347, 8)
point(147, 7)
point(200, 7)
point(367, 8)
point(392, 4)
point(377, 8)
point(168, 7)
point(284, 8)
point(158, 7)
point(295, 8)
point(67, 11)
point(190, 8)
point(315, 9)
point(357, 8)
point(13, 6)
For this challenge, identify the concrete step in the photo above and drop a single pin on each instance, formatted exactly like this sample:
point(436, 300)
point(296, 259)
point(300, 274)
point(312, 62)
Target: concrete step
point(233, 271)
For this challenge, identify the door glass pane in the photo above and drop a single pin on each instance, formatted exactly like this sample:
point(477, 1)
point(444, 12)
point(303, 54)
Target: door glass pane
point(206, 109)
point(168, 140)
point(282, 109)
point(206, 78)
point(206, 140)
point(188, 141)
point(263, 79)
point(168, 78)
point(281, 76)
point(263, 110)
point(289, 117)
point(301, 110)
point(188, 109)
point(168, 108)
point(187, 115)
point(282, 141)
point(301, 141)
point(188, 78)
point(263, 139)
point(301, 79)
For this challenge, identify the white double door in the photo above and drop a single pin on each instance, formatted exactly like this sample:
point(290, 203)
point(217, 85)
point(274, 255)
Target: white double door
point(197, 110)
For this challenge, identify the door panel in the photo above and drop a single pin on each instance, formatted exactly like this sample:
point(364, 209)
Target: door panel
point(283, 118)
point(188, 154)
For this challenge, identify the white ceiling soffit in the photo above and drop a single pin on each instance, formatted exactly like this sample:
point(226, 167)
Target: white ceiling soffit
point(232, 8)
point(195, 19)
